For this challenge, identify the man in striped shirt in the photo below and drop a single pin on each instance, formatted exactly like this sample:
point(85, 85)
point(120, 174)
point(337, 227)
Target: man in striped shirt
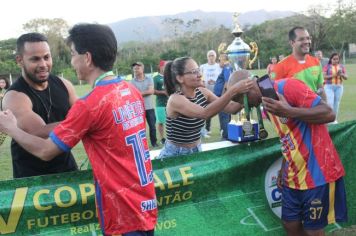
point(313, 193)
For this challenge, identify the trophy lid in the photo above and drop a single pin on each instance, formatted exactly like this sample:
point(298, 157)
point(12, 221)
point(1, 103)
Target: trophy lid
point(237, 31)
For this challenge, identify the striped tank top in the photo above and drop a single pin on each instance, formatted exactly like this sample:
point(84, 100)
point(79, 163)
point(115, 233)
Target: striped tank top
point(184, 129)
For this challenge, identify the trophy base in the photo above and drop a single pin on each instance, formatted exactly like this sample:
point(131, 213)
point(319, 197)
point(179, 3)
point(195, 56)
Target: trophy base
point(236, 132)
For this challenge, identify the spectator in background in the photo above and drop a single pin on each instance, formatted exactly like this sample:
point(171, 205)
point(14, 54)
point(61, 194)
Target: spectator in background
point(210, 72)
point(189, 105)
point(161, 100)
point(145, 85)
point(271, 65)
point(334, 74)
point(281, 57)
point(4, 85)
point(220, 89)
point(39, 100)
point(300, 64)
point(323, 60)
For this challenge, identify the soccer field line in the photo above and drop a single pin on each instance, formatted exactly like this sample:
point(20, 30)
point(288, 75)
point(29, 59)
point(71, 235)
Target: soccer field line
point(259, 222)
point(337, 226)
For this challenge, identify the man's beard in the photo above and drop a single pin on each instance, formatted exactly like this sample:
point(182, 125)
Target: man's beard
point(33, 78)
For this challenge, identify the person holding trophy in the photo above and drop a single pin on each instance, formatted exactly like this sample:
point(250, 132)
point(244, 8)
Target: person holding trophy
point(189, 105)
point(313, 191)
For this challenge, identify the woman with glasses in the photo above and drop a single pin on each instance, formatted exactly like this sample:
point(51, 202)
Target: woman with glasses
point(190, 104)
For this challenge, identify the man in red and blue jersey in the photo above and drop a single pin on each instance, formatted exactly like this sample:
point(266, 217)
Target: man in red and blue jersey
point(313, 193)
point(110, 121)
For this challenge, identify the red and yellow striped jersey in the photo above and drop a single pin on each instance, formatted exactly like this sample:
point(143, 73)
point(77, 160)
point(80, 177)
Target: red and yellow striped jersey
point(333, 71)
point(311, 158)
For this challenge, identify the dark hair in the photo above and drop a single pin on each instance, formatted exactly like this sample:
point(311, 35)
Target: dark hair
point(98, 40)
point(171, 71)
point(30, 37)
point(332, 55)
point(292, 35)
point(6, 82)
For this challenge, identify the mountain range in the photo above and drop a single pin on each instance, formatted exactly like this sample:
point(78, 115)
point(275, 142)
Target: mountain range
point(151, 28)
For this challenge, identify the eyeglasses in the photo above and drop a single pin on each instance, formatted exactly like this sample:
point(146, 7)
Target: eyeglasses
point(193, 72)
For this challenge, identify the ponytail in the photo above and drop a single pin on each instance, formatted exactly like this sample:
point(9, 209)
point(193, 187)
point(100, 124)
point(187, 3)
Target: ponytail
point(171, 71)
point(169, 80)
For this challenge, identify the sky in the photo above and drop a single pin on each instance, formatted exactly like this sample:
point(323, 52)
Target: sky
point(15, 13)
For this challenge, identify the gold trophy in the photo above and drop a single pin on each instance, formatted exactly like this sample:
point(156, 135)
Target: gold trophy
point(239, 57)
point(238, 51)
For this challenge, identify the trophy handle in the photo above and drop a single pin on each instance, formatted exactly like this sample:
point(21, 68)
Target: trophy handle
point(254, 49)
point(222, 48)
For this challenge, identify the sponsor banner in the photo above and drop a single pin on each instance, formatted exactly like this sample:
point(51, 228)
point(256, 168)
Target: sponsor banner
point(273, 193)
point(228, 191)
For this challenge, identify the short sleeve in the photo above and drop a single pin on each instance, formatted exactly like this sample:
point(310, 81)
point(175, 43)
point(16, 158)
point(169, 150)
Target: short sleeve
point(277, 72)
point(70, 131)
point(298, 94)
point(320, 81)
point(150, 81)
point(155, 82)
point(343, 69)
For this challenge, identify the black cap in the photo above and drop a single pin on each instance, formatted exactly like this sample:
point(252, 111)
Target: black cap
point(138, 63)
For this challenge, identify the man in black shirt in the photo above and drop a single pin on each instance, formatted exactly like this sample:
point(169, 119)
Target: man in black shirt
point(39, 101)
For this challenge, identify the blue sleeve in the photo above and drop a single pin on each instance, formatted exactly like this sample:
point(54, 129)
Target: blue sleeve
point(227, 70)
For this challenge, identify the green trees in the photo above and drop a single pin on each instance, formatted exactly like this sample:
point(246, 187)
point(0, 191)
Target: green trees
point(7, 57)
point(56, 31)
point(329, 34)
point(331, 31)
point(342, 26)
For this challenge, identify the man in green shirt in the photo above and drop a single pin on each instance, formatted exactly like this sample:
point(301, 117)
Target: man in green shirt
point(161, 100)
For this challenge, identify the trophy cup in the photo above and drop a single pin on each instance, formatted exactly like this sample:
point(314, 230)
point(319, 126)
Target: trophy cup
point(238, 51)
point(239, 57)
